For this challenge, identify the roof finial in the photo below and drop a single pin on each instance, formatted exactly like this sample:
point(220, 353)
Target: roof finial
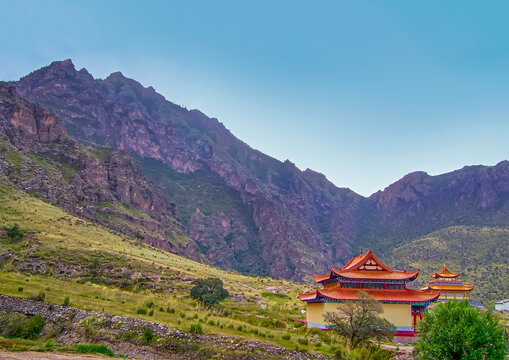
point(361, 251)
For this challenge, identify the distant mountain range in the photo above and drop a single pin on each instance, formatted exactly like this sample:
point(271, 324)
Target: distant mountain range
point(235, 207)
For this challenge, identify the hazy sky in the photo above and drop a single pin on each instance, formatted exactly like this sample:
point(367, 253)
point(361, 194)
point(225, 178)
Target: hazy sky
point(362, 91)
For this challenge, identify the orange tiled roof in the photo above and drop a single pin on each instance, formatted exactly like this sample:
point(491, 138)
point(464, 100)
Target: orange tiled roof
point(377, 274)
point(464, 287)
point(354, 270)
point(445, 273)
point(403, 295)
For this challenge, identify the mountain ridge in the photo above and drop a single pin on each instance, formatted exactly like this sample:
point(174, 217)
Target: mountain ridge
point(273, 217)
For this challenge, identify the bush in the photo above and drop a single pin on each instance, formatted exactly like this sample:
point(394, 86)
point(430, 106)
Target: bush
point(303, 341)
point(39, 297)
point(15, 233)
point(151, 312)
point(67, 301)
point(286, 337)
point(19, 326)
point(20, 289)
point(148, 335)
point(33, 327)
point(170, 310)
point(457, 330)
point(196, 329)
point(93, 349)
point(209, 291)
point(141, 310)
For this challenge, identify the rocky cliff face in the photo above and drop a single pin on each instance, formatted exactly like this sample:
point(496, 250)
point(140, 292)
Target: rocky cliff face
point(98, 183)
point(296, 222)
point(246, 210)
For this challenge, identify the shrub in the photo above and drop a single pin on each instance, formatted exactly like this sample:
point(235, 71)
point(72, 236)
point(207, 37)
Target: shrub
point(141, 310)
point(196, 329)
point(19, 326)
point(33, 327)
point(303, 341)
point(149, 304)
point(67, 301)
point(286, 337)
point(151, 312)
point(170, 310)
point(93, 349)
point(39, 297)
point(161, 309)
point(128, 335)
point(15, 233)
point(457, 330)
point(20, 289)
point(148, 335)
point(209, 291)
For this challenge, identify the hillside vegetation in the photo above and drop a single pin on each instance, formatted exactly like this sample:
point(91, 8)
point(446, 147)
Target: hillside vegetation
point(62, 255)
point(478, 252)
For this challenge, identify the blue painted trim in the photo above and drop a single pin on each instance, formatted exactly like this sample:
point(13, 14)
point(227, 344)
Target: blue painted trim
point(318, 326)
point(404, 328)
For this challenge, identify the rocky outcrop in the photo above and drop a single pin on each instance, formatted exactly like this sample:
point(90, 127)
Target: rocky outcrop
point(98, 183)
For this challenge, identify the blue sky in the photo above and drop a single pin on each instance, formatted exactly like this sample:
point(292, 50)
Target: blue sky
point(362, 91)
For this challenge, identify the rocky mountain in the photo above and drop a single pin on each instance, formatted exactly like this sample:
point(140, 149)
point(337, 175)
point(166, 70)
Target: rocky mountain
point(97, 183)
point(250, 212)
point(419, 203)
point(246, 210)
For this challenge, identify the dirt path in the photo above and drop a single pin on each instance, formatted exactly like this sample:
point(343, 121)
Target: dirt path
point(31, 355)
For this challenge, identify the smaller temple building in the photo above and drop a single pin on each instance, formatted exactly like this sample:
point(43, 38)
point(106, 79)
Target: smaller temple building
point(401, 306)
point(451, 288)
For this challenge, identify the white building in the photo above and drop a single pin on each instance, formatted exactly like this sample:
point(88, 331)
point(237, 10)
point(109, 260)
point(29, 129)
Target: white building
point(502, 305)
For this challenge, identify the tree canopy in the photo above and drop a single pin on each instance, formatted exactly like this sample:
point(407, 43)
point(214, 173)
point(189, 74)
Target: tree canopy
point(360, 320)
point(209, 291)
point(456, 330)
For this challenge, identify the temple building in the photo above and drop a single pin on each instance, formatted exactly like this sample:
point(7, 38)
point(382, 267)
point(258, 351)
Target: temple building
point(451, 288)
point(401, 306)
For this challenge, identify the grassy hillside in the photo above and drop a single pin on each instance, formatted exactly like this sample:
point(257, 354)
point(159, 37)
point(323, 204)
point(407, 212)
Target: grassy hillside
point(62, 255)
point(479, 253)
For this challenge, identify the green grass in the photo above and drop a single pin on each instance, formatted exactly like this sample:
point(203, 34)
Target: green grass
point(56, 238)
point(478, 252)
point(93, 349)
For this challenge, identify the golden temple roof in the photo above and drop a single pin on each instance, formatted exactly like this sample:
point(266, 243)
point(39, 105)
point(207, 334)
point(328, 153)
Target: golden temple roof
point(367, 266)
point(445, 273)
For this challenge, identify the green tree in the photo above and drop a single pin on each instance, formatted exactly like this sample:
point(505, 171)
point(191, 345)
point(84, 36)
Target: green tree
point(456, 330)
point(209, 291)
point(360, 320)
point(15, 233)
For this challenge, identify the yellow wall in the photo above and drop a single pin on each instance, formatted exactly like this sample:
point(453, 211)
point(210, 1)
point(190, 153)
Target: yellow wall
point(315, 313)
point(398, 314)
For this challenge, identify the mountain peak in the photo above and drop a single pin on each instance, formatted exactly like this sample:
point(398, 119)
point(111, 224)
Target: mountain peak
point(62, 65)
